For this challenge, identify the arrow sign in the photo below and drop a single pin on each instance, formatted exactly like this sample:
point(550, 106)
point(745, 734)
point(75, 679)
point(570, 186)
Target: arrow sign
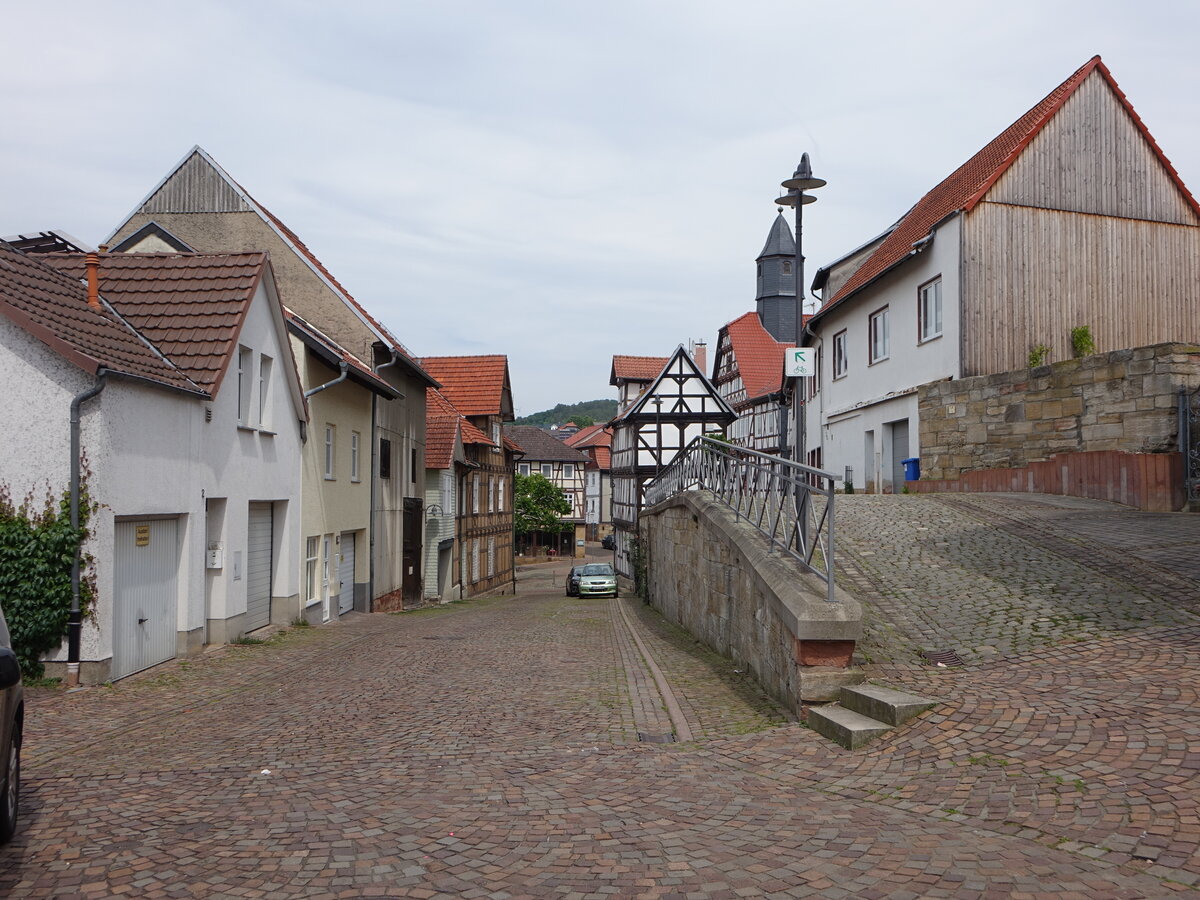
point(799, 362)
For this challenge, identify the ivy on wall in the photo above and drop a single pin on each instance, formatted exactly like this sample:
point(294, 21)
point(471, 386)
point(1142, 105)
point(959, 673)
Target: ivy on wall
point(37, 546)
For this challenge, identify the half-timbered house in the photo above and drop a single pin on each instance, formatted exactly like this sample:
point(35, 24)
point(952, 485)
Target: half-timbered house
point(748, 374)
point(564, 467)
point(675, 407)
point(595, 442)
point(479, 389)
point(1054, 225)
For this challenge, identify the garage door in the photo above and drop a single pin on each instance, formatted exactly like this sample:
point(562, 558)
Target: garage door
point(145, 593)
point(346, 574)
point(258, 567)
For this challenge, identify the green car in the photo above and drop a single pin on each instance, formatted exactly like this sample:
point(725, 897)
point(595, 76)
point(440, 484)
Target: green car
point(597, 580)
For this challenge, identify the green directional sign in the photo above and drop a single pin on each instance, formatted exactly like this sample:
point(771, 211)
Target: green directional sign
point(799, 362)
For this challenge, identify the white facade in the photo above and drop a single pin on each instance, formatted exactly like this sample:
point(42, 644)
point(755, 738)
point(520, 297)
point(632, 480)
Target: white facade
point(866, 417)
point(151, 454)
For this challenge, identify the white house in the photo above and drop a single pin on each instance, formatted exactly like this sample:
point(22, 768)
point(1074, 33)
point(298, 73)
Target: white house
point(1044, 230)
point(191, 445)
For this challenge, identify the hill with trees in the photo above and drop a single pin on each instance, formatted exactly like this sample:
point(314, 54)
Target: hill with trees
point(588, 412)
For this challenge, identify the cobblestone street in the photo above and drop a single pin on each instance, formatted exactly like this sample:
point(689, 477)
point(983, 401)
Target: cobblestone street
point(491, 748)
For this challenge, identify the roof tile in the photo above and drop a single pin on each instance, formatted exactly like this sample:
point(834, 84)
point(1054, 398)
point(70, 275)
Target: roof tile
point(474, 384)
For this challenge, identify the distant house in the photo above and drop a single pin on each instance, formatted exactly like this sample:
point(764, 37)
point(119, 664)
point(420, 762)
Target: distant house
point(198, 205)
point(669, 411)
point(1055, 224)
point(595, 442)
point(479, 389)
point(544, 454)
point(193, 441)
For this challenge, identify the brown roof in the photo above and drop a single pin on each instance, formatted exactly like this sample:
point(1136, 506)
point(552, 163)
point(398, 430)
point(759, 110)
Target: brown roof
point(53, 307)
point(474, 384)
point(191, 306)
point(759, 356)
point(444, 424)
point(636, 368)
point(968, 184)
point(538, 445)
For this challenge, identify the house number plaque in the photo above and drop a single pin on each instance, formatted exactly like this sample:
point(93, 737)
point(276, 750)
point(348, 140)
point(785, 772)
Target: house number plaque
point(142, 535)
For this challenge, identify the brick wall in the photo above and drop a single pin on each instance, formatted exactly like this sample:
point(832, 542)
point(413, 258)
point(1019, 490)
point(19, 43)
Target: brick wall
point(1125, 400)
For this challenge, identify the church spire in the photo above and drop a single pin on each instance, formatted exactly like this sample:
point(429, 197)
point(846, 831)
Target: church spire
point(775, 296)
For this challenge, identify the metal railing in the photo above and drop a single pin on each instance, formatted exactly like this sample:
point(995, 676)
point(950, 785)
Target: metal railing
point(788, 503)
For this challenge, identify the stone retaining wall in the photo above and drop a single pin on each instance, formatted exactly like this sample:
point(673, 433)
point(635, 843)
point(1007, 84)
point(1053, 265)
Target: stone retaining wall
point(1125, 400)
point(714, 576)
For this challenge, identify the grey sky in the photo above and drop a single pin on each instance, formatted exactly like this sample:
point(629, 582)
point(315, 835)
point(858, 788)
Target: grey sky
point(559, 181)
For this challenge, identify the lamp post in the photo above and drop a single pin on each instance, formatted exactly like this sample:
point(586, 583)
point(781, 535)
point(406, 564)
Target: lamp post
point(802, 180)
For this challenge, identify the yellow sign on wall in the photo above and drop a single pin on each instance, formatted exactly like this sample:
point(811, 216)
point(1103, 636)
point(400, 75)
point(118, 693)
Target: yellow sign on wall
point(142, 535)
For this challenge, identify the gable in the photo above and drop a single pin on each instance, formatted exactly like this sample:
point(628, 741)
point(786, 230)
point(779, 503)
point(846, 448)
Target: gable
point(683, 391)
point(1093, 156)
point(194, 186)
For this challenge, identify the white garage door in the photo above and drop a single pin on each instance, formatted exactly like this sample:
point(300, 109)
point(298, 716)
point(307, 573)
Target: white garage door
point(258, 567)
point(346, 574)
point(145, 593)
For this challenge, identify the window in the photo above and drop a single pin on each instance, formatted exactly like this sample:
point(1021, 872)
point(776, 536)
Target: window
point(523, 468)
point(787, 267)
point(447, 494)
point(326, 555)
point(491, 565)
point(491, 493)
point(879, 336)
point(496, 438)
point(330, 437)
point(547, 470)
point(475, 495)
point(310, 569)
point(474, 561)
point(840, 363)
point(385, 458)
point(814, 383)
point(245, 384)
point(354, 444)
point(500, 498)
point(264, 390)
point(412, 467)
point(929, 310)
point(568, 470)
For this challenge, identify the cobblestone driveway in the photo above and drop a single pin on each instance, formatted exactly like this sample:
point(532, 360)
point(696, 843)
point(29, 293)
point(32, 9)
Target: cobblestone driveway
point(490, 748)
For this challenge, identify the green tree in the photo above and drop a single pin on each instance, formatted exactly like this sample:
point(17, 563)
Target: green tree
point(583, 421)
point(539, 505)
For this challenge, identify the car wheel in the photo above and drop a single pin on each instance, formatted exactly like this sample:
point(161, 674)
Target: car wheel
point(10, 792)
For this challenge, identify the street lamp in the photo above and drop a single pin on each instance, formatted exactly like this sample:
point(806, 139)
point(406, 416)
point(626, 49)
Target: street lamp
point(802, 180)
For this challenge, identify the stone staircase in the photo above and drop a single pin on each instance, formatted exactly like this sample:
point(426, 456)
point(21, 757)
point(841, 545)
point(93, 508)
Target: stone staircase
point(864, 712)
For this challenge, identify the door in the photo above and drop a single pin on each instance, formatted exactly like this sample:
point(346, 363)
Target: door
point(259, 564)
point(346, 573)
point(145, 594)
point(899, 453)
point(411, 577)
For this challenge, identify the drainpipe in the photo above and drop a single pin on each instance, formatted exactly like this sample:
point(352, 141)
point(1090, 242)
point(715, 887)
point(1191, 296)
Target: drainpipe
point(374, 477)
point(75, 621)
point(344, 366)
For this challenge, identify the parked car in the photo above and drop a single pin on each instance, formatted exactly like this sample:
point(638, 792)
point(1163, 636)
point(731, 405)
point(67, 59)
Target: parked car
point(597, 580)
point(12, 708)
point(609, 542)
point(573, 581)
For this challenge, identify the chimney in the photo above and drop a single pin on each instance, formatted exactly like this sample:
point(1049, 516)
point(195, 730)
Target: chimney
point(700, 355)
point(93, 280)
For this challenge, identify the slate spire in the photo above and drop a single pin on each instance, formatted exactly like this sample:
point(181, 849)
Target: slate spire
point(775, 295)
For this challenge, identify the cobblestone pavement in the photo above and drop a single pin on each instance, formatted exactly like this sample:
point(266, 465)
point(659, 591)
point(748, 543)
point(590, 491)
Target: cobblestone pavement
point(490, 748)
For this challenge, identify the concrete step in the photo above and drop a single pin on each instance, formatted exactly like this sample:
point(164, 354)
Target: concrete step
point(844, 726)
point(886, 705)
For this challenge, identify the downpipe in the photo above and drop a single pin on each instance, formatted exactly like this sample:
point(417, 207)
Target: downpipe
point(75, 619)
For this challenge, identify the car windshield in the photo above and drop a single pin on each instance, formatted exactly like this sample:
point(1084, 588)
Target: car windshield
point(598, 569)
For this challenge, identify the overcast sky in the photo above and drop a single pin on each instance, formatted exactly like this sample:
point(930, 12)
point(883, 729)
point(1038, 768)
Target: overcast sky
point(554, 180)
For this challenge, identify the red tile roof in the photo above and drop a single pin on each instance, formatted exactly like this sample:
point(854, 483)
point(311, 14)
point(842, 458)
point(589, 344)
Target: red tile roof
point(968, 184)
point(580, 436)
point(440, 434)
point(636, 368)
point(474, 384)
point(759, 356)
point(53, 307)
point(189, 305)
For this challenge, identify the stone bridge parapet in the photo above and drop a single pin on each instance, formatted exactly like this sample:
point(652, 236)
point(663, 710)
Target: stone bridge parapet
point(716, 577)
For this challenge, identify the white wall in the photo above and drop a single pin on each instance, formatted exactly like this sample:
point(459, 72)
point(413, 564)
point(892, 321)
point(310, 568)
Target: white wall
point(869, 396)
point(151, 453)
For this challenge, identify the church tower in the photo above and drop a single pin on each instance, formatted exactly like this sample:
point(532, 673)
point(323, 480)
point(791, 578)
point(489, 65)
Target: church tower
point(775, 297)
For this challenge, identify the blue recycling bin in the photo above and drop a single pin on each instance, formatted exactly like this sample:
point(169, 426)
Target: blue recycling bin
point(912, 468)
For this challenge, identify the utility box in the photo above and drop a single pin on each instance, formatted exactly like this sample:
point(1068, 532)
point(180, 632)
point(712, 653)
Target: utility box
point(215, 557)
